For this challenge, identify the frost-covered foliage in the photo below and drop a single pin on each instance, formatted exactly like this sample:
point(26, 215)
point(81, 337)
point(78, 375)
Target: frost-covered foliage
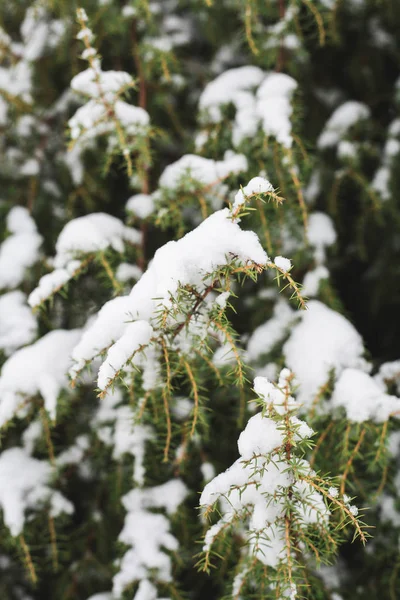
point(198, 245)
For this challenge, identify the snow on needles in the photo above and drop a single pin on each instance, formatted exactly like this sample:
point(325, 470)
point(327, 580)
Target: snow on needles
point(322, 341)
point(269, 107)
point(37, 369)
point(24, 485)
point(82, 236)
point(148, 534)
point(341, 120)
point(185, 262)
point(257, 483)
point(205, 171)
point(20, 250)
point(18, 325)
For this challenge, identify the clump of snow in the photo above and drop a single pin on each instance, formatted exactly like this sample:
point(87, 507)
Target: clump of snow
point(135, 336)
point(188, 261)
point(37, 369)
point(257, 483)
point(24, 485)
point(148, 534)
point(362, 398)
point(141, 205)
point(20, 250)
point(118, 429)
point(321, 234)
point(205, 171)
point(381, 180)
point(312, 281)
point(264, 337)
point(284, 264)
point(322, 341)
point(125, 272)
point(342, 119)
point(18, 325)
point(257, 185)
point(98, 83)
point(229, 87)
point(52, 282)
point(82, 236)
point(92, 233)
point(270, 106)
point(274, 106)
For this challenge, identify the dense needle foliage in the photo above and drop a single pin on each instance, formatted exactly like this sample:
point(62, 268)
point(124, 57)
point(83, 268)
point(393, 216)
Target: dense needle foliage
point(199, 288)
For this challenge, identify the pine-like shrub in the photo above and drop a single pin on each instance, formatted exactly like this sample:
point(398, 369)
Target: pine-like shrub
point(200, 373)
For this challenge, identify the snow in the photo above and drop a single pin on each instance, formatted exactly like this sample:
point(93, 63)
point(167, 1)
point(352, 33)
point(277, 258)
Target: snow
point(18, 325)
point(271, 105)
point(98, 83)
point(92, 233)
point(125, 272)
point(257, 481)
point(187, 261)
point(381, 180)
point(362, 398)
point(229, 87)
point(117, 428)
point(264, 337)
point(342, 119)
point(261, 436)
point(148, 534)
point(101, 596)
point(323, 340)
point(312, 281)
point(24, 485)
point(257, 185)
point(52, 282)
point(135, 336)
point(20, 250)
point(141, 205)
point(207, 471)
point(205, 171)
point(75, 453)
point(321, 234)
point(37, 369)
point(284, 264)
point(274, 106)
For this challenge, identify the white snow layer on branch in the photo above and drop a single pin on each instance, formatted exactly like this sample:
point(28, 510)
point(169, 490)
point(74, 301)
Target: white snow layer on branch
point(340, 122)
point(321, 234)
point(185, 262)
point(257, 185)
point(18, 325)
point(264, 337)
point(270, 107)
point(93, 233)
point(381, 180)
point(148, 534)
point(205, 171)
point(135, 336)
point(141, 205)
point(24, 485)
point(322, 341)
point(117, 428)
point(20, 250)
point(37, 369)
point(98, 83)
point(85, 235)
point(362, 398)
point(256, 481)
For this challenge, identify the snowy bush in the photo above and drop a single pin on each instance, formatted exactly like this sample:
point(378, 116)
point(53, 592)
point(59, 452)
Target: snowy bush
point(199, 365)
